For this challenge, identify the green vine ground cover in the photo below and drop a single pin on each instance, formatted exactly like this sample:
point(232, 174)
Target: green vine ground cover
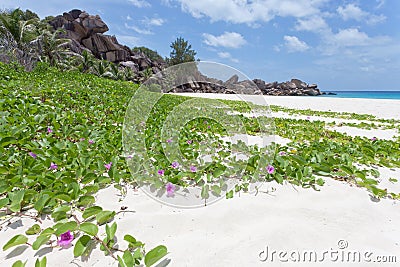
point(61, 142)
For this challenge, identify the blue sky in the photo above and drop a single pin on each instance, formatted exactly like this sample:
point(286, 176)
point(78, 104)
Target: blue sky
point(338, 44)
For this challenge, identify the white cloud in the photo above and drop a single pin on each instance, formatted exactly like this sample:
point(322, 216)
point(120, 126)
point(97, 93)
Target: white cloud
point(138, 30)
point(227, 55)
point(293, 44)
point(352, 11)
point(153, 21)
point(351, 37)
point(243, 11)
point(227, 39)
point(312, 24)
point(140, 3)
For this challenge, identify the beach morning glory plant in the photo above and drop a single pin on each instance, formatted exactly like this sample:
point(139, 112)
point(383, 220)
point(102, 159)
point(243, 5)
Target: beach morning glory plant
point(170, 189)
point(65, 239)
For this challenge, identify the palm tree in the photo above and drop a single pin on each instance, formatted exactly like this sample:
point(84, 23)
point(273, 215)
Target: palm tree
point(16, 28)
point(87, 61)
point(52, 49)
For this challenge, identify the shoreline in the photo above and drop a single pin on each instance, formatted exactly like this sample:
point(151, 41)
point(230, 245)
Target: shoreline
point(381, 108)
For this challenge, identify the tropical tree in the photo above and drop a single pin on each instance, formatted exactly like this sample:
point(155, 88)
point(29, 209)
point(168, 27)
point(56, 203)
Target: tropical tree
point(18, 26)
point(181, 52)
point(87, 61)
point(17, 30)
point(52, 49)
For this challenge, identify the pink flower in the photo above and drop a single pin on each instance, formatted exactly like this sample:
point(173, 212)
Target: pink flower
point(170, 189)
point(91, 142)
point(65, 239)
point(193, 169)
point(53, 166)
point(270, 169)
point(161, 172)
point(169, 141)
point(308, 117)
point(33, 155)
point(82, 139)
point(108, 166)
point(374, 138)
point(189, 142)
point(282, 153)
point(175, 164)
point(49, 130)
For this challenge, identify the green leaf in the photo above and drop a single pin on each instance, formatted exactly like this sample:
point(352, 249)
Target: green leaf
point(104, 216)
point(58, 216)
point(204, 192)
point(110, 231)
point(4, 202)
point(15, 241)
point(40, 240)
point(121, 262)
point(7, 140)
point(216, 190)
point(16, 199)
point(91, 211)
point(155, 255)
point(86, 201)
point(71, 226)
point(278, 178)
point(218, 172)
point(320, 182)
point(229, 194)
point(41, 263)
point(41, 202)
point(130, 239)
point(19, 263)
point(81, 245)
point(89, 228)
point(33, 230)
point(128, 258)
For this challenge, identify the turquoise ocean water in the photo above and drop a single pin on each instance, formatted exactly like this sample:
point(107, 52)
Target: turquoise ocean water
point(366, 94)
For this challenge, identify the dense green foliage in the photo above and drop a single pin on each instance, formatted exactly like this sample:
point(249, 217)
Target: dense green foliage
point(58, 130)
point(181, 52)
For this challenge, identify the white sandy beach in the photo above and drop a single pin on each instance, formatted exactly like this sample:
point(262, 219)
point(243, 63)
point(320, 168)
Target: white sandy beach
point(244, 230)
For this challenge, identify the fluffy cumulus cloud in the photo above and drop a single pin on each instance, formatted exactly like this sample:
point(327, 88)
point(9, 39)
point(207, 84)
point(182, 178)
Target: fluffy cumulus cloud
point(351, 37)
point(227, 55)
point(352, 11)
point(312, 24)
point(140, 3)
point(293, 44)
point(250, 11)
point(227, 39)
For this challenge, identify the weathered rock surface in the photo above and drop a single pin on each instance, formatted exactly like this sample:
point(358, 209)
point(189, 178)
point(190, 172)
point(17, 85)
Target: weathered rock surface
point(87, 33)
point(294, 87)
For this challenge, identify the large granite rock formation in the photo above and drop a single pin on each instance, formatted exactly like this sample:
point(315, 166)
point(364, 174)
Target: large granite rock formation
point(294, 87)
point(87, 33)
